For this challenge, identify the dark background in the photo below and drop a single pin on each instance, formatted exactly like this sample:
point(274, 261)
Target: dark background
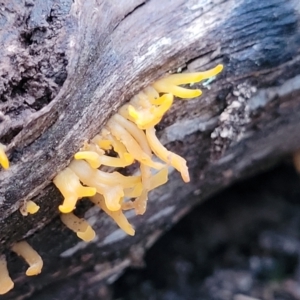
point(244, 241)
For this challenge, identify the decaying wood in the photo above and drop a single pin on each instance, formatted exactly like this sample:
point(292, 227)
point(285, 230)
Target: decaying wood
point(246, 120)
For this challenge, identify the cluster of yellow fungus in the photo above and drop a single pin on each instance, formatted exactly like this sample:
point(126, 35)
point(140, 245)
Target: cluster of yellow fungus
point(128, 137)
point(33, 259)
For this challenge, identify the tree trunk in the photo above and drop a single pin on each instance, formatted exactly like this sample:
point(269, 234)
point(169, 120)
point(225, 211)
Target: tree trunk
point(67, 67)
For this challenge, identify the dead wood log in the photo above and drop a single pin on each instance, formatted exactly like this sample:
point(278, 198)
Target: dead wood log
point(67, 67)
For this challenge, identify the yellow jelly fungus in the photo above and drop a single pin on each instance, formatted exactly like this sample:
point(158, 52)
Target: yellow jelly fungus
point(160, 178)
point(69, 185)
point(6, 284)
point(117, 216)
point(91, 157)
point(95, 160)
point(170, 158)
point(104, 144)
point(33, 259)
point(136, 133)
point(151, 94)
point(110, 185)
point(147, 118)
point(118, 147)
point(140, 202)
point(4, 162)
point(29, 207)
point(81, 227)
point(128, 137)
point(32, 207)
point(133, 147)
point(170, 83)
point(151, 182)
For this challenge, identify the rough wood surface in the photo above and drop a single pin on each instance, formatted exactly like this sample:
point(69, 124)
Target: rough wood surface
point(69, 66)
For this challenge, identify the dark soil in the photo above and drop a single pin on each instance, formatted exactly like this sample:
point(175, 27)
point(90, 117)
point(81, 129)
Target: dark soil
point(245, 241)
point(32, 59)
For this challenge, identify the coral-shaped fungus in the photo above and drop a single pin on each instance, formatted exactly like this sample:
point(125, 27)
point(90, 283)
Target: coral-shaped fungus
point(128, 137)
point(29, 207)
point(33, 259)
point(6, 284)
point(80, 226)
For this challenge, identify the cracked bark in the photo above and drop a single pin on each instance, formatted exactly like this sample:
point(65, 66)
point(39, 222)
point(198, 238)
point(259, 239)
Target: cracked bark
point(246, 121)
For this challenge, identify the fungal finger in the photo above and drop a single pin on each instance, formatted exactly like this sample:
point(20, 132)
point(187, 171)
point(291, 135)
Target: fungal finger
point(29, 207)
point(116, 161)
point(118, 147)
point(103, 144)
point(151, 93)
point(113, 197)
point(131, 144)
point(168, 157)
point(165, 98)
point(96, 158)
point(127, 205)
point(123, 111)
point(91, 157)
point(160, 178)
point(165, 87)
point(166, 103)
point(4, 162)
point(134, 191)
point(32, 207)
point(170, 83)
point(6, 284)
point(150, 182)
point(121, 150)
point(140, 100)
point(78, 225)
point(110, 185)
point(69, 185)
point(118, 216)
point(140, 203)
point(88, 235)
point(33, 259)
point(139, 117)
point(137, 133)
point(84, 171)
point(185, 78)
point(143, 119)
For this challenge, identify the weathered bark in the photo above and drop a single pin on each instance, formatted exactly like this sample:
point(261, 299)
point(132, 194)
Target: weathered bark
point(249, 119)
